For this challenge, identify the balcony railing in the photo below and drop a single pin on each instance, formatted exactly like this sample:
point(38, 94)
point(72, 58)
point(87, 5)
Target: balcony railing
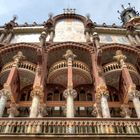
point(115, 66)
point(63, 126)
point(23, 65)
point(63, 64)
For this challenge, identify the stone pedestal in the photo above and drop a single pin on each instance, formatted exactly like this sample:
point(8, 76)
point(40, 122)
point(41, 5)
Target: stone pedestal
point(70, 94)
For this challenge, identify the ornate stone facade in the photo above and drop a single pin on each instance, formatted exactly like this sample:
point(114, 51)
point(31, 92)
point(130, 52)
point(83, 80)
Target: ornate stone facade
point(70, 64)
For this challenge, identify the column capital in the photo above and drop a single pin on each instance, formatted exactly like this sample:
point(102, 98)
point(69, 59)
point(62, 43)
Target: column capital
point(13, 109)
point(37, 91)
point(69, 55)
point(18, 57)
point(5, 92)
point(134, 94)
point(126, 112)
point(101, 90)
point(70, 92)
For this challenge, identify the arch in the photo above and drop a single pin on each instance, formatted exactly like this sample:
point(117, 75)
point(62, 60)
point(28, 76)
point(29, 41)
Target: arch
point(116, 46)
point(10, 50)
point(69, 44)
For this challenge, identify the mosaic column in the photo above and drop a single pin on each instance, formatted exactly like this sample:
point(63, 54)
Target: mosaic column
point(36, 94)
point(102, 95)
point(5, 94)
point(132, 93)
point(134, 96)
point(70, 93)
point(100, 87)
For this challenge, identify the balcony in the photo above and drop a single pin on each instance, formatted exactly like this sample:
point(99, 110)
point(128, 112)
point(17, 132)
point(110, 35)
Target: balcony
point(58, 73)
point(73, 126)
point(114, 66)
point(26, 72)
point(24, 65)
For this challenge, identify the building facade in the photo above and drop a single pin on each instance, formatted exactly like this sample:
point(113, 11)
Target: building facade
point(70, 78)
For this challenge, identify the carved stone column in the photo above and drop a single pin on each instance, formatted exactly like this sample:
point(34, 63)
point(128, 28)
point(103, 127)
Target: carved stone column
point(38, 87)
point(12, 111)
point(100, 87)
point(70, 93)
point(102, 95)
point(5, 95)
point(36, 94)
point(134, 96)
point(132, 93)
point(125, 111)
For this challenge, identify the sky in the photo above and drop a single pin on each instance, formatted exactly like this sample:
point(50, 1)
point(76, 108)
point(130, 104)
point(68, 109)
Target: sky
point(100, 11)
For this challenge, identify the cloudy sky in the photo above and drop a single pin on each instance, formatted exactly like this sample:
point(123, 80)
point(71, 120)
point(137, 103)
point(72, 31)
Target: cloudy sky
point(37, 10)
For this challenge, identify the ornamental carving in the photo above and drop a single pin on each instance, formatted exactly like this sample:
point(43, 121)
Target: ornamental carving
point(37, 91)
point(6, 93)
point(70, 92)
point(101, 90)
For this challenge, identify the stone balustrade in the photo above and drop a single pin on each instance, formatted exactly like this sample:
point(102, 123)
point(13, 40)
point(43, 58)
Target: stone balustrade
point(46, 126)
point(23, 65)
point(63, 64)
point(115, 66)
